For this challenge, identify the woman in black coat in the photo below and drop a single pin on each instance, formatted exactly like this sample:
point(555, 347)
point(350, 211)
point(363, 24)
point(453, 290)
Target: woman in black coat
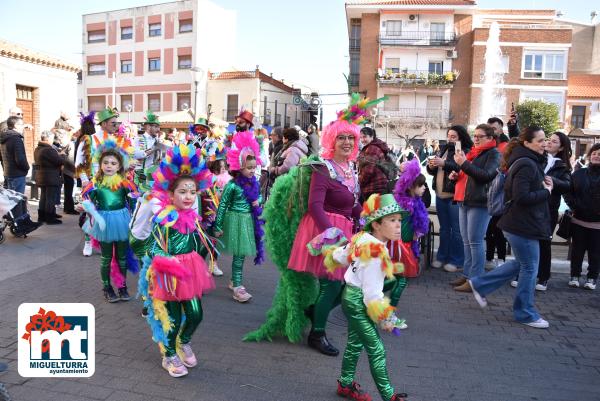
point(48, 177)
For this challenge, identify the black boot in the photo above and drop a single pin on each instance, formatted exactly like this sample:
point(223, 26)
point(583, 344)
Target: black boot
point(319, 341)
point(123, 294)
point(109, 294)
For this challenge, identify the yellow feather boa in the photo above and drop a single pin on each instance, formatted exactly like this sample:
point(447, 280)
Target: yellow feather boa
point(380, 309)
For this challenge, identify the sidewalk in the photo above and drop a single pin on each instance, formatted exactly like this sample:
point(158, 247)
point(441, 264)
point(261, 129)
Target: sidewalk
point(452, 349)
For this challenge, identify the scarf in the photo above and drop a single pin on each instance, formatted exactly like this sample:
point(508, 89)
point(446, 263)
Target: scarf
point(251, 189)
point(477, 150)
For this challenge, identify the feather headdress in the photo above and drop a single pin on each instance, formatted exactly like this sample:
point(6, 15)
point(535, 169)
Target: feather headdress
point(118, 144)
point(243, 145)
point(89, 117)
point(356, 112)
point(214, 150)
point(181, 160)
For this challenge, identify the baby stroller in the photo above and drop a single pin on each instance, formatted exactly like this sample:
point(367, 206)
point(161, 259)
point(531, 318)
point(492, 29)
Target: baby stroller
point(18, 226)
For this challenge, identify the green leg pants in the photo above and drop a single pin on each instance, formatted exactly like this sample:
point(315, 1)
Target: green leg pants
point(330, 292)
point(193, 316)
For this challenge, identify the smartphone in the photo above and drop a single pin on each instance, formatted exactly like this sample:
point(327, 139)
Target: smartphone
point(457, 146)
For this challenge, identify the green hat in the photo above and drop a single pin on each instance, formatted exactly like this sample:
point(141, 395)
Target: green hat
point(151, 118)
point(202, 122)
point(377, 207)
point(107, 113)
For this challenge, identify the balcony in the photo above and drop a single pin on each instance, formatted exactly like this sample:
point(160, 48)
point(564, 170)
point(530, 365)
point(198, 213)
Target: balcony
point(418, 38)
point(433, 116)
point(354, 44)
point(412, 79)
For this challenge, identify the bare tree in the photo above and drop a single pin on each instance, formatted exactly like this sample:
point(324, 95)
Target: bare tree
point(406, 130)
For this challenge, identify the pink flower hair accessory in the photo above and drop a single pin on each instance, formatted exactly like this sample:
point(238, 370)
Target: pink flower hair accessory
point(243, 145)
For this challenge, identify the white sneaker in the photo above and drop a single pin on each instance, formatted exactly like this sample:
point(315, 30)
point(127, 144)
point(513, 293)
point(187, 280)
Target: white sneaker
point(216, 271)
point(241, 295)
point(538, 324)
point(450, 268)
point(590, 284)
point(541, 286)
point(574, 282)
point(87, 248)
point(174, 366)
point(187, 356)
point(514, 283)
point(436, 264)
point(480, 300)
point(490, 264)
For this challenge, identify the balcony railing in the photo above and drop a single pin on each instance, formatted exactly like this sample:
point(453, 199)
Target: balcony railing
point(417, 38)
point(354, 44)
point(418, 115)
point(418, 78)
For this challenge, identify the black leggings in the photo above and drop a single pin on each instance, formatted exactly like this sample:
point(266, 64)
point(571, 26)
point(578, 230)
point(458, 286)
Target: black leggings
point(585, 239)
point(494, 240)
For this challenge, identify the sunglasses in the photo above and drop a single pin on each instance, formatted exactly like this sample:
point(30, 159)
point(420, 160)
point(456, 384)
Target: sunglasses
point(480, 136)
point(344, 138)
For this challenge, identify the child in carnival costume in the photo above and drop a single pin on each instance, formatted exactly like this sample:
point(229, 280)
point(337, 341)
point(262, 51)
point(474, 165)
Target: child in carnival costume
point(146, 146)
point(238, 220)
point(415, 223)
point(318, 194)
point(363, 302)
point(108, 199)
point(175, 276)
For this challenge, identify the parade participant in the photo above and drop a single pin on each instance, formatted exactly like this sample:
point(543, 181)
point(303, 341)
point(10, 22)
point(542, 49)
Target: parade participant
point(199, 131)
point(238, 220)
point(107, 200)
point(175, 276)
point(145, 146)
point(243, 122)
point(305, 202)
point(363, 302)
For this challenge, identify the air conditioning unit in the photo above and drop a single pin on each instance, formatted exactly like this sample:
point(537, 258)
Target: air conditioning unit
point(412, 17)
point(451, 54)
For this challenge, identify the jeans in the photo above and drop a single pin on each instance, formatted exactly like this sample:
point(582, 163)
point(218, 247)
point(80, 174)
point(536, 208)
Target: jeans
point(473, 224)
point(451, 243)
point(585, 239)
point(17, 184)
point(527, 256)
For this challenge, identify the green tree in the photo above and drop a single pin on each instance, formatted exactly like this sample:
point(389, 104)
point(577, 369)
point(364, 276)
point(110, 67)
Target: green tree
point(538, 112)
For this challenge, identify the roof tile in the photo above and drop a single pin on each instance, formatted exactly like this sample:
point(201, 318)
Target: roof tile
point(587, 86)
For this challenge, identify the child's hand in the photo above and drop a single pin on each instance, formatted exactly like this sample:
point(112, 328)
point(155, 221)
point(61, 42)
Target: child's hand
point(218, 234)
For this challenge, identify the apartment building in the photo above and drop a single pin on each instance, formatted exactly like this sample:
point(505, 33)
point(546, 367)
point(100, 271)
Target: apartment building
point(272, 101)
point(150, 51)
point(428, 57)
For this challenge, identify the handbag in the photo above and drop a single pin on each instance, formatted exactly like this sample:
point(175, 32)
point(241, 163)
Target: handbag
point(564, 225)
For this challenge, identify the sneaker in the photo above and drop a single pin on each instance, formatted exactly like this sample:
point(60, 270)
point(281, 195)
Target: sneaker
point(187, 355)
point(450, 268)
point(436, 264)
point(542, 285)
point(353, 392)
point(466, 287)
point(480, 299)
point(123, 294)
point(216, 271)
point(399, 397)
point(574, 282)
point(109, 294)
point(87, 248)
point(240, 294)
point(490, 264)
point(514, 283)
point(538, 324)
point(174, 366)
point(590, 284)
point(144, 312)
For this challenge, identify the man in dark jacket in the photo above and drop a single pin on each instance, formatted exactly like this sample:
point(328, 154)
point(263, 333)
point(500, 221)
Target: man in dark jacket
point(371, 176)
point(48, 178)
point(313, 140)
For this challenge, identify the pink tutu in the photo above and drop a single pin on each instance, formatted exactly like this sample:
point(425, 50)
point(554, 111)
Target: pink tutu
point(302, 261)
point(198, 282)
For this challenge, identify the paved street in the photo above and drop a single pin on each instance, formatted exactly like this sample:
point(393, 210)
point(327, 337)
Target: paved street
point(452, 350)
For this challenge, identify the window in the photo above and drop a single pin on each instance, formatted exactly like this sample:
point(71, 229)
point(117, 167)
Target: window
point(505, 64)
point(153, 64)
point(184, 62)
point(277, 120)
point(392, 103)
point(126, 32)
point(184, 101)
point(392, 64)
point(126, 66)
point(154, 102)
point(437, 31)
point(544, 65)
point(186, 25)
point(393, 28)
point(434, 102)
point(96, 103)
point(578, 117)
point(154, 30)
point(232, 107)
point(126, 101)
point(96, 36)
point(96, 69)
point(355, 33)
point(288, 121)
point(436, 67)
point(354, 68)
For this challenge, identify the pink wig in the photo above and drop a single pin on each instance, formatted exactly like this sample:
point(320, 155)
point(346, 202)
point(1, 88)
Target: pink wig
point(244, 145)
point(332, 131)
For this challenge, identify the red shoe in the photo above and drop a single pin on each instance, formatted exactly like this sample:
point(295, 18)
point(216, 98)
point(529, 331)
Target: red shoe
point(353, 392)
point(399, 397)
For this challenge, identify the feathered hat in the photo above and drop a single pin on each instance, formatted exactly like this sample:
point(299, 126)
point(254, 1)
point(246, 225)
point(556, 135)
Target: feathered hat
point(377, 207)
point(181, 160)
point(87, 118)
point(214, 149)
point(412, 170)
point(348, 122)
point(243, 145)
point(120, 145)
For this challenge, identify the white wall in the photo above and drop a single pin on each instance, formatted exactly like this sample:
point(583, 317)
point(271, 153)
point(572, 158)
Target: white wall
point(417, 59)
point(246, 89)
point(422, 23)
point(273, 94)
point(57, 89)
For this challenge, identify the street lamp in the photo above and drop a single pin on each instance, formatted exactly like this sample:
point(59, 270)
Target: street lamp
point(197, 76)
point(128, 108)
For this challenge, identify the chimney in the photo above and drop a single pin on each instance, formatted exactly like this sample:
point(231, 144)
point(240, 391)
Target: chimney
point(593, 16)
point(559, 14)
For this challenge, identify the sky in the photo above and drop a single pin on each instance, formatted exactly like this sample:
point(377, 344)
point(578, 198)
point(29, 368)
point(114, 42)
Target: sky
point(304, 42)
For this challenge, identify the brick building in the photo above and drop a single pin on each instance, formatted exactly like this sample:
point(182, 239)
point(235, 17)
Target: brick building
point(151, 51)
point(428, 57)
